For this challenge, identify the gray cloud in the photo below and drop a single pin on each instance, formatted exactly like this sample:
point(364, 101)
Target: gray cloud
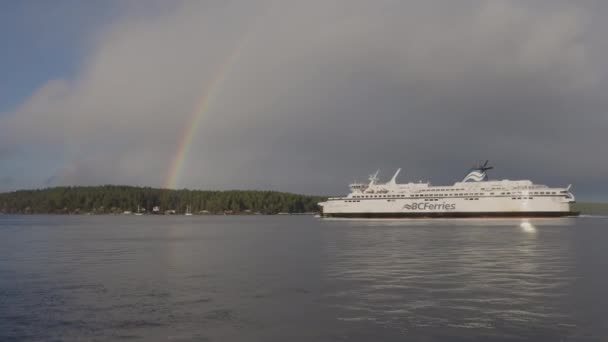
point(6, 180)
point(322, 92)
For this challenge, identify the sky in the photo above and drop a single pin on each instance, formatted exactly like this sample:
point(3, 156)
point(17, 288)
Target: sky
point(302, 96)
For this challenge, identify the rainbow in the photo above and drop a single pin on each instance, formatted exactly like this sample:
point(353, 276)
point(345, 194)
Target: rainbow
point(190, 129)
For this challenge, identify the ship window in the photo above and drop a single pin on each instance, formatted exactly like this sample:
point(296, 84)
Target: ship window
point(542, 192)
point(553, 192)
point(531, 197)
point(491, 193)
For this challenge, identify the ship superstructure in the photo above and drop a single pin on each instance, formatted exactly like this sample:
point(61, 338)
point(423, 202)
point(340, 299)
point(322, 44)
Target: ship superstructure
point(474, 196)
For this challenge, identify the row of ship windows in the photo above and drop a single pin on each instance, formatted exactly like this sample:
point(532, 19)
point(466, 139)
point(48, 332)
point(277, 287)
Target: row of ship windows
point(449, 190)
point(433, 190)
point(466, 199)
point(459, 194)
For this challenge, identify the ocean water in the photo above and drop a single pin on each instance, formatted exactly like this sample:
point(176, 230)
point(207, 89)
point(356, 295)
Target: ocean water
point(299, 278)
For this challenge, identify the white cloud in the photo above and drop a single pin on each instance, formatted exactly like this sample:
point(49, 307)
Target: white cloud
point(319, 91)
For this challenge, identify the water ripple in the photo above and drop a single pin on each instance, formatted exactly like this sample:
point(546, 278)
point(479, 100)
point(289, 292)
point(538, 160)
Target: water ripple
point(474, 278)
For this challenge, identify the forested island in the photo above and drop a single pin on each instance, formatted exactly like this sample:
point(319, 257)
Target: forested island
point(112, 199)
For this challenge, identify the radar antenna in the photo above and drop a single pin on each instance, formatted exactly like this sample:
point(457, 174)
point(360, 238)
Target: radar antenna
point(484, 167)
point(373, 179)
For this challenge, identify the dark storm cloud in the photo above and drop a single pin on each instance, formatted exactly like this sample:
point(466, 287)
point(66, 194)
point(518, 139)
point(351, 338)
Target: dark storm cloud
point(323, 92)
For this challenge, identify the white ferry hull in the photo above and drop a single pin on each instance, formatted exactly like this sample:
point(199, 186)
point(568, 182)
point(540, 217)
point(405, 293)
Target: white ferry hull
point(547, 206)
point(488, 214)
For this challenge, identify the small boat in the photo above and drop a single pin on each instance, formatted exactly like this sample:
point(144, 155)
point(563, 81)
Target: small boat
point(138, 212)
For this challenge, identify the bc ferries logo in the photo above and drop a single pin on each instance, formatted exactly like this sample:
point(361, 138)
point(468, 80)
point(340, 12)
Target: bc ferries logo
point(430, 206)
point(475, 176)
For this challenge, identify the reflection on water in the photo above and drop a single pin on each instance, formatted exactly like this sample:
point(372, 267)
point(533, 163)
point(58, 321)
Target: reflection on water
point(298, 278)
point(473, 274)
point(527, 227)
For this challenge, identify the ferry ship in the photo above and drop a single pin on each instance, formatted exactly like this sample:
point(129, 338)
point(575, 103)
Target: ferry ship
point(474, 196)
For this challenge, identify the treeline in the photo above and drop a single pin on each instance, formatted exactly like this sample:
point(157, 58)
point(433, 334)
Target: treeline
point(588, 208)
point(110, 199)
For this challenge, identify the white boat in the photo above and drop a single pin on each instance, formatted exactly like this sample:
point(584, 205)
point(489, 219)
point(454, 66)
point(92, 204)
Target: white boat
point(474, 196)
point(188, 213)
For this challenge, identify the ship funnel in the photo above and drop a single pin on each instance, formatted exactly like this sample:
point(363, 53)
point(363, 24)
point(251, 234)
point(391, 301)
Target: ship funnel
point(394, 179)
